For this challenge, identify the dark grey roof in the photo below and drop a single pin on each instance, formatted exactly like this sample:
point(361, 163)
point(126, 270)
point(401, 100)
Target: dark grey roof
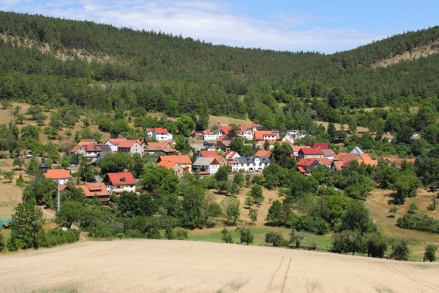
point(249, 160)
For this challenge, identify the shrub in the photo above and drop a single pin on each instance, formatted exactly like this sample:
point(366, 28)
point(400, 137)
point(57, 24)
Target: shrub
point(418, 222)
point(2, 242)
point(274, 238)
point(400, 250)
point(430, 252)
point(181, 234)
point(226, 236)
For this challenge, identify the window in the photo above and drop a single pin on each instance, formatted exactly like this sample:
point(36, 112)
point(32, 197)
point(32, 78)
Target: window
point(118, 186)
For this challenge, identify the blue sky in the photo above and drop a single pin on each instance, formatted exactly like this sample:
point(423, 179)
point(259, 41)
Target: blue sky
point(313, 25)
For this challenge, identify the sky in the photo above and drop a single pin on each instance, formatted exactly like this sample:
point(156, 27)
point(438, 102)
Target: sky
point(325, 26)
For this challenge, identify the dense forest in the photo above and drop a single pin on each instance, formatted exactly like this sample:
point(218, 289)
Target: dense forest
point(175, 75)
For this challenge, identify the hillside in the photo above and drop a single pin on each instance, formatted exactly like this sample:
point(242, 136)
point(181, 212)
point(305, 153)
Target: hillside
point(181, 266)
point(102, 67)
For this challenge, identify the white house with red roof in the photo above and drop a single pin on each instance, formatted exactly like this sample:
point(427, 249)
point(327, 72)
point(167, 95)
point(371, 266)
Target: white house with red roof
point(206, 165)
point(311, 153)
point(245, 132)
point(62, 176)
point(114, 143)
point(132, 147)
point(209, 134)
point(120, 182)
point(159, 134)
point(267, 135)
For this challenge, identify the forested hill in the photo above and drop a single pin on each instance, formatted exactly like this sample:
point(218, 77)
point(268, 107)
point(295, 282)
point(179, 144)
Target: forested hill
point(125, 68)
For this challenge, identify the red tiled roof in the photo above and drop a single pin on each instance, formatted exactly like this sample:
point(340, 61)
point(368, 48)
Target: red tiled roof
point(180, 159)
point(127, 143)
point(225, 129)
point(338, 165)
point(301, 170)
point(328, 152)
point(399, 161)
point(345, 157)
point(167, 164)
point(368, 162)
point(263, 153)
point(223, 137)
point(321, 145)
point(92, 189)
point(208, 154)
point(161, 130)
point(260, 134)
point(305, 162)
point(117, 141)
point(121, 178)
point(297, 148)
point(158, 144)
point(86, 141)
point(55, 174)
point(365, 157)
point(311, 151)
point(75, 148)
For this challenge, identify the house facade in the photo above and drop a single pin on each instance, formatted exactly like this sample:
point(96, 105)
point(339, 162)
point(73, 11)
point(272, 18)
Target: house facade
point(61, 176)
point(117, 183)
point(206, 165)
point(131, 147)
point(311, 153)
point(183, 160)
point(251, 164)
point(159, 134)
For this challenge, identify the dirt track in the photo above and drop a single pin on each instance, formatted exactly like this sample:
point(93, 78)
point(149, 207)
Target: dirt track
point(184, 266)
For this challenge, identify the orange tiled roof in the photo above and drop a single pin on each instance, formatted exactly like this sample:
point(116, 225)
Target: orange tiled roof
point(167, 164)
point(263, 153)
point(180, 159)
point(259, 134)
point(208, 154)
point(121, 178)
point(55, 174)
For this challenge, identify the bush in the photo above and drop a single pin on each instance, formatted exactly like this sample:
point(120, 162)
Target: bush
point(274, 238)
point(2, 242)
point(169, 233)
point(418, 222)
point(348, 242)
point(400, 250)
point(430, 252)
point(181, 234)
point(314, 225)
point(226, 236)
point(376, 245)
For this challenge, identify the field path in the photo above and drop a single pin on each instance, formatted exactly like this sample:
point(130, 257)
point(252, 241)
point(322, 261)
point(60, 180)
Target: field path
point(185, 266)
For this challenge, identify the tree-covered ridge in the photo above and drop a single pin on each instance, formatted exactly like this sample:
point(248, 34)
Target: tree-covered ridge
point(166, 73)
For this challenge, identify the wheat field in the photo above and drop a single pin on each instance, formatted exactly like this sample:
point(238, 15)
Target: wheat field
point(185, 266)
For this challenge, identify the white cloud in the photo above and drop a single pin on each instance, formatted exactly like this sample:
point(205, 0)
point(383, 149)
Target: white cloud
point(213, 21)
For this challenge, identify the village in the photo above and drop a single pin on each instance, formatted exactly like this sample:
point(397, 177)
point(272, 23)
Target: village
point(212, 151)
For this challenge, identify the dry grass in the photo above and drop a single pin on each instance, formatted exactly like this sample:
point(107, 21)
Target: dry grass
point(223, 120)
point(182, 266)
point(416, 53)
point(9, 198)
point(338, 126)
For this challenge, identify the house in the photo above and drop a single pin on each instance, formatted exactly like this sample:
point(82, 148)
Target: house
point(183, 160)
point(163, 148)
point(263, 135)
point(223, 143)
point(207, 154)
point(328, 154)
point(235, 164)
point(231, 155)
point(288, 138)
point(309, 164)
point(177, 168)
point(296, 149)
point(96, 189)
point(297, 134)
point(397, 161)
point(117, 183)
point(91, 190)
point(309, 153)
point(263, 153)
point(78, 150)
point(343, 160)
point(224, 129)
point(131, 147)
point(159, 134)
point(212, 154)
point(62, 176)
point(209, 134)
point(206, 165)
point(357, 150)
point(114, 143)
point(321, 145)
point(95, 150)
point(245, 132)
point(250, 164)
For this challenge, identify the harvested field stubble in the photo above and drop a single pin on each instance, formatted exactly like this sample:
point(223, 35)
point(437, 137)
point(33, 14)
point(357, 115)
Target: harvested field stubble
point(184, 266)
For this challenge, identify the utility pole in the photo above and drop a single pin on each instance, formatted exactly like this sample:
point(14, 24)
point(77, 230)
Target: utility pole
point(59, 199)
